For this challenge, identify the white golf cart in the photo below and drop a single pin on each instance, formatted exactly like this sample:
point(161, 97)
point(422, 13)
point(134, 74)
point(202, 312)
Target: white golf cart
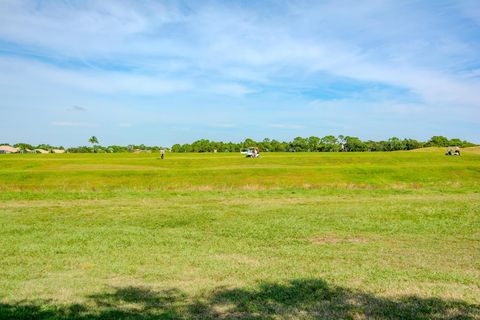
point(250, 152)
point(453, 151)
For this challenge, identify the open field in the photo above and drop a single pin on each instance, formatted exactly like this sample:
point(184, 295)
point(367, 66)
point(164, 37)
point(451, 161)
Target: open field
point(290, 235)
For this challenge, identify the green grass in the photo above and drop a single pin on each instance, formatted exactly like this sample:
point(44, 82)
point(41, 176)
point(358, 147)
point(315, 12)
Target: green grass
point(308, 236)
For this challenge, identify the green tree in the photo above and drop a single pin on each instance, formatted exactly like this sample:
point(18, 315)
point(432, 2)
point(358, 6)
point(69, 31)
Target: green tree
point(249, 143)
point(466, 143)
point(394, 144)
point(342, 140)
point(299, 144)
point(438, 141)
point(23, 146)
point(313, 143)
point(93, 140)
point(411, 144)
point(354, 144)
point(266, 145)
point(456, 142)
point(329, 144)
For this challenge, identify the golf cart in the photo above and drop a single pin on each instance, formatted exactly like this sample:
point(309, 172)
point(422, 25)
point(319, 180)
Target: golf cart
point(453, 151)
point(250, 152)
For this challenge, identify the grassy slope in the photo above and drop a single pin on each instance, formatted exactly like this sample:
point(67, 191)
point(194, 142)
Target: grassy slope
point(383, 235)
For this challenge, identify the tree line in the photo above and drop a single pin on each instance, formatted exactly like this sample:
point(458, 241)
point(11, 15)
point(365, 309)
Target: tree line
point(328, 143)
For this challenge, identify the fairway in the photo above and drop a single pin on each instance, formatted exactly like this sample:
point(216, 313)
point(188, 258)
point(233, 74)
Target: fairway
point(215, 235)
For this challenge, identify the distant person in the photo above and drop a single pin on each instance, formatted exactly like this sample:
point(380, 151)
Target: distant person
point(162, 153)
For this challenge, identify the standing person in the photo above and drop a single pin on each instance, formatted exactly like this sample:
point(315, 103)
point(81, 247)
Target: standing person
point(162, 153)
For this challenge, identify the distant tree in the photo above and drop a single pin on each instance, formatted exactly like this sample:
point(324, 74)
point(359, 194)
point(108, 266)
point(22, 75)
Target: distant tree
point(202, 145)
point(233, 147)
point(117, 149)
point(249, 143)
point(23, 146)
point(411, 144)
point(468, 144)
point(329, 144)
point(354, 144)
point(313, 143)
point(342, 142)
point(438, 141)
point(83, 149)
point(394, 144)
point(374, 146)
point(93, 140)
point(266, 145)
point(456, 142)
point(299, 144)
point(45, 147)
point(276, 146)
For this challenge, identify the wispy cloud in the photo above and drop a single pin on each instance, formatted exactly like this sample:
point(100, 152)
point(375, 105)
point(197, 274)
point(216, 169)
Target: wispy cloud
point(245, 60)
point(238, 36)
point(92, 81)
point(77, 108)
point(230, 89)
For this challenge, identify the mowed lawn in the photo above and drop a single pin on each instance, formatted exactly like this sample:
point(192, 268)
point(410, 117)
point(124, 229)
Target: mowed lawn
point(287, 236)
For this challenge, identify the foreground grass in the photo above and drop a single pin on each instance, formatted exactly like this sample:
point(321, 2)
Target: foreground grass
point(387, 236)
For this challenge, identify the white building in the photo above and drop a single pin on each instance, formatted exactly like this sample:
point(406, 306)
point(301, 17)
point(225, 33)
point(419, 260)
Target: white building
point(8, 149)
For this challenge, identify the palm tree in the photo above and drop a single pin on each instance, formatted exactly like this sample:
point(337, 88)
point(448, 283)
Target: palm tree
point(93, 140)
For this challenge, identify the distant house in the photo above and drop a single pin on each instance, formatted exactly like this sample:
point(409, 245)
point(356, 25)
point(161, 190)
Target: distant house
point(8, 149)
point(40, 151)
point(58, 151)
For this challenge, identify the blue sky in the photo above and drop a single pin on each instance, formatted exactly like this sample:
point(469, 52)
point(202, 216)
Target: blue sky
point(164, 72)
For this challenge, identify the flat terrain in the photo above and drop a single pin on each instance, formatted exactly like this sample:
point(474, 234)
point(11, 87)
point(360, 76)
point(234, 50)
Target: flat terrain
point(287, 236)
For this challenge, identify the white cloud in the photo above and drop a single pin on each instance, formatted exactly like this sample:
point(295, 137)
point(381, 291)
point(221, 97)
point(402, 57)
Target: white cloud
point(108, 82)
point(90, 27)
point(171, 47)
point(174, 62)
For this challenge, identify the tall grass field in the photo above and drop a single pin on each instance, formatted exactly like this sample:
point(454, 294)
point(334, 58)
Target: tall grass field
point(219, 236)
